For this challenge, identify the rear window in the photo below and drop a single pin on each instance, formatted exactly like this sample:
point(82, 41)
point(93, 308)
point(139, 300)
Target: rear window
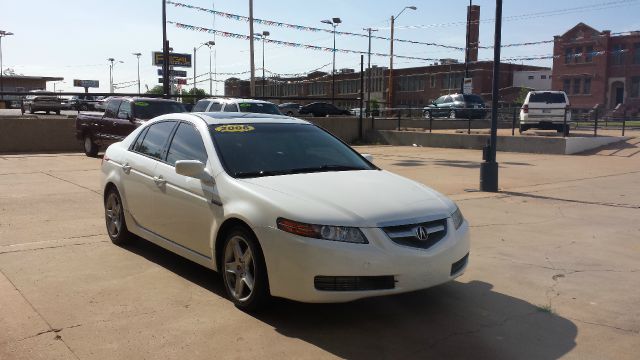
point(200, 106)
point(146, 109)
point(474, 99)
point(263, 108)
point(547, 97)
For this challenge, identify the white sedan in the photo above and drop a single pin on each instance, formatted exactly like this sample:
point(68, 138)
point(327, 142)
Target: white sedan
point(281, 208)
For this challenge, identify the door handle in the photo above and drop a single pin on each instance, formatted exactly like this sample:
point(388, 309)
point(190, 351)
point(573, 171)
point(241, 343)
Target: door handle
point(159, 180)
point(126, 168)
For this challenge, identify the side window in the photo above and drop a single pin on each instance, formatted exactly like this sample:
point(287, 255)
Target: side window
point(136, 145)
point(448, 99)
point(201, 106)
point(156, 138)
point(112, 108)
point(215, 107)
point(440, 100)
point(230, 108)
point(125, 110)
point(186, 145)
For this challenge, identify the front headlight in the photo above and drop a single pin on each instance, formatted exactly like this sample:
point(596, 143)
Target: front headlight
point(457, 218)
point(325, 232)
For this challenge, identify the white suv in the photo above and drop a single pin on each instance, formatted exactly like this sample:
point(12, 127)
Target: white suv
point(545, 110)
point(236, 105)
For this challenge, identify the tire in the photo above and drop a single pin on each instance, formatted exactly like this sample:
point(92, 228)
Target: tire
point(48, 112)
point(244, 272)
point(83, 107)
point(90, 147)
point(30, 109)
point(427, 115)
point(452, 114)
point(114, 218)
point(57, 112)
point(523, 128)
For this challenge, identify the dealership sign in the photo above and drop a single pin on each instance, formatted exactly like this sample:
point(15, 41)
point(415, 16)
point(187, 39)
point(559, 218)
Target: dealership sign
point(86, 83)
point(175, 59)
point(174, 73)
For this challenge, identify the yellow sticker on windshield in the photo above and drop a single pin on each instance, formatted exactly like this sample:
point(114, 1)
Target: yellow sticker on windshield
point(141, 103)
point(234, 128)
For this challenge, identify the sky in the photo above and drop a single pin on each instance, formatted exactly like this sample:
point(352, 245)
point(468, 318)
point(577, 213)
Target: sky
point(74, 38)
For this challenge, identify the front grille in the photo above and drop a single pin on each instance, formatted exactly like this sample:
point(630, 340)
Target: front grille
point(354, 283)
point(407, 235)
point(459, 265)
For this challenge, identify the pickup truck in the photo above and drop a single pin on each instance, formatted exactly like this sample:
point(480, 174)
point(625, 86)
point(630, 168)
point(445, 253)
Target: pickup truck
point(121, 116)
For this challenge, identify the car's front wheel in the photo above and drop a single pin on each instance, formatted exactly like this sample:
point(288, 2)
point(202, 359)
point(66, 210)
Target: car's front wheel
point(244, 270)
point(114, 218)
point(90, 147)
point(452, 114)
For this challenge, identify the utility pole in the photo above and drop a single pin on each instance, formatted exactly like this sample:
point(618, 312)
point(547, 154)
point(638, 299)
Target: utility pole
point(466, 52)
point(165, 53)
point(138, 56)
point(263, 35)
point(393, 21)
point(111, 60)
point(253, 65)
point(334, 23)
point(489, 168)
point(368, 111)
point(2, 34)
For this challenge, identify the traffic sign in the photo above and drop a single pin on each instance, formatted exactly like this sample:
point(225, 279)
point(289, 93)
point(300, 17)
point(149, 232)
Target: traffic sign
point(174, 73)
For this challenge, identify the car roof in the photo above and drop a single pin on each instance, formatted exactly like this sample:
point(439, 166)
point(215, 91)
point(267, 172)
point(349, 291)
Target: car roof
point(215, 118)
point(237, 100)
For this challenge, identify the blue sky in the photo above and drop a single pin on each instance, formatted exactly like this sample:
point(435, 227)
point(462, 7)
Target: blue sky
point(73, 38)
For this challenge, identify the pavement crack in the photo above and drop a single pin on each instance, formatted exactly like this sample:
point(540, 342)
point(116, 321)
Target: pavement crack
point(632, 331)
point(51, 247)
point(72, 183)
point(585, 202)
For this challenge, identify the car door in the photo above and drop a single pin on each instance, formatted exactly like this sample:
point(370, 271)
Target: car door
point(106, 126)
point(436, 107)
point(140, 184)
point(123, 123)
point(186, 209)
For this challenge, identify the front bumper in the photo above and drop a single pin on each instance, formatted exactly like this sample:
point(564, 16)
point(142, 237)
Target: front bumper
point(293, 262)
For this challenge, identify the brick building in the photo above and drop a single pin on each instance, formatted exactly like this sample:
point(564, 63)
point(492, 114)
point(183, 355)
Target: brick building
point(597, 68)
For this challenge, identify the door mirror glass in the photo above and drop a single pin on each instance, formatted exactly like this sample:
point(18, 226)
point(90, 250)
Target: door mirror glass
point(190, 168)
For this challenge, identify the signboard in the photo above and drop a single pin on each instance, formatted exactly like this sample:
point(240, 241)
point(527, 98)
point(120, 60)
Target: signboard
point(175, 59)
point(175, 81)
point(174, 73)
point(86, 83)
point(467, 86)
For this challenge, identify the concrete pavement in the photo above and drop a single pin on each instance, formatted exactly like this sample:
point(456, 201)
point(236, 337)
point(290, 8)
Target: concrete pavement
point(554, 272)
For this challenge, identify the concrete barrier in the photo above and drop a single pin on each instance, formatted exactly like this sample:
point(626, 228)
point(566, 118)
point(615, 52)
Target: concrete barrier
point(38, 134)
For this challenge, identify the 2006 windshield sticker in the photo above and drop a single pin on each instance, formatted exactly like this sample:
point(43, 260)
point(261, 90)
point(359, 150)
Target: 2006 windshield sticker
point(234, 128)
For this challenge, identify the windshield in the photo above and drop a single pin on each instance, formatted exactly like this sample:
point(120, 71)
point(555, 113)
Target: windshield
point(474, 99)
point(547, 97)
point(254, 150)
point(262, 108)
point(149, 109)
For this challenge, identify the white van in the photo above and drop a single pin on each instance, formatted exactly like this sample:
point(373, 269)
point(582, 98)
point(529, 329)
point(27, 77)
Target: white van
point(545, 110)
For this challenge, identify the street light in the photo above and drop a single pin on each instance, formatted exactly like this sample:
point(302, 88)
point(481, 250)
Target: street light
point(369, 30)
point(112, 63)
point(2, 34)
point(334, 23)
point(263, 36)
point(393, 20)
point(137, 55)
point(195, 49)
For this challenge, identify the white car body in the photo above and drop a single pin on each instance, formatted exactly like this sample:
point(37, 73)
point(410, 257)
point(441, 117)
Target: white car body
point(227, 104)
point(552, 112)
point(186, 214)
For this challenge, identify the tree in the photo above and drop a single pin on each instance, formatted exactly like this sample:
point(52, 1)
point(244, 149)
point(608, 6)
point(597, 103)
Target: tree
point(192, 100)
point(156, 90)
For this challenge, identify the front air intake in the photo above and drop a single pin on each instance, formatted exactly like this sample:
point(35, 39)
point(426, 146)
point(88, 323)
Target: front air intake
point(354, 283)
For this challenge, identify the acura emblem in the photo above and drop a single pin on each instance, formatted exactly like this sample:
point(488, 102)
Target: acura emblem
point(421, 233)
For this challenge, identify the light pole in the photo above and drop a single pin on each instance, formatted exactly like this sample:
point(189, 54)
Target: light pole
point(393, 21)
point(262, 36)
point(369, 30)
point(112, 63)
point(195, 50)
point(334, 23)
point(209, 45)
point(54, 85)
point(137, 55)
point(2, 34)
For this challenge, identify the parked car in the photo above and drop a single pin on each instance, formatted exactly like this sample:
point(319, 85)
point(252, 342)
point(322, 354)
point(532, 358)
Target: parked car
point(43, 101)
point(545, 110)
point(236, 105)
point(83, 102)
point(279, 207)
point(456, 106)
point(321, 109)
point(121, 116)
point(289, 109)
point(101, 102)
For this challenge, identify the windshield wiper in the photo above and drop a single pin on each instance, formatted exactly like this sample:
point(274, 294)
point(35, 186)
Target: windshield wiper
point(323, 168)
point(260, 173)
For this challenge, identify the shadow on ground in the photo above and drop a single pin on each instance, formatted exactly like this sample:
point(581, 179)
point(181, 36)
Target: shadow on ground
point(455, 320)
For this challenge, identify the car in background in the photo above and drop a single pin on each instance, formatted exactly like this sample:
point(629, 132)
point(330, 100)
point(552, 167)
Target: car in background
point(322, 109)
point(456, 106)
point(289, 109)
point(279, 207)
point(101, 102)
point(120, 117)
point(82, 102)
point(43, 101)
point(545, 110)
point(236, 105)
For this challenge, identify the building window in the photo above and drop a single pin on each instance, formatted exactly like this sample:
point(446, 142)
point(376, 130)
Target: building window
point(433, 81)
point(587, 86)
point(543, 77)
point(568, 55)
point(576, 86)
point(636, 53)
point(530, 77)
point(618, 54)
point(577, 56)
point(566, 86)
point(635, 86)
point(588, 56)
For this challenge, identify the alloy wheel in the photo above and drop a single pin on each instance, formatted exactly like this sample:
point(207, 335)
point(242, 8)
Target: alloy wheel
point(113, 213)
point(239, 268)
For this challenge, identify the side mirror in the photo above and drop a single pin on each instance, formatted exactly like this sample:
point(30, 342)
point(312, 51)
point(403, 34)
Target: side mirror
point(192, 168)
point(368, 157)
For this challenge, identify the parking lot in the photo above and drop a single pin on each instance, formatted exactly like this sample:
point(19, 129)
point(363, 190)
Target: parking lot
point(554, 272)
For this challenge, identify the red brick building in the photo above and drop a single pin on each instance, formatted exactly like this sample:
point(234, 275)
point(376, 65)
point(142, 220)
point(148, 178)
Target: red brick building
point(598, 68)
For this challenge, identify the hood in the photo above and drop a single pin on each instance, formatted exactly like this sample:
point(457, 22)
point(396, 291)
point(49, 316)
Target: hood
point(368, 198)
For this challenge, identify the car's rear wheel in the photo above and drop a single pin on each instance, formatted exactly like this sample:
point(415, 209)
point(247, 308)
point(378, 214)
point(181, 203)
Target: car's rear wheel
point(452, 114)
point(30, 109)
point(90, 147)
point(244, 271)
point(114, 218)
point(84, 107)
point(57, 112)
point(427, 115)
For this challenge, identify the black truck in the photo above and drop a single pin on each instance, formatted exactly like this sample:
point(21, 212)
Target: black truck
point(121, 116)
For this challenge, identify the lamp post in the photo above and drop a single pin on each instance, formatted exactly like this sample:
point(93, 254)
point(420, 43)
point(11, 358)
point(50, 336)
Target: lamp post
point(334, 23)
point(2, 34)
point(262, 36)
point(393, 21)
point(137, 55)
point(195, 49)
point(369, 30)
point(112, 64)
